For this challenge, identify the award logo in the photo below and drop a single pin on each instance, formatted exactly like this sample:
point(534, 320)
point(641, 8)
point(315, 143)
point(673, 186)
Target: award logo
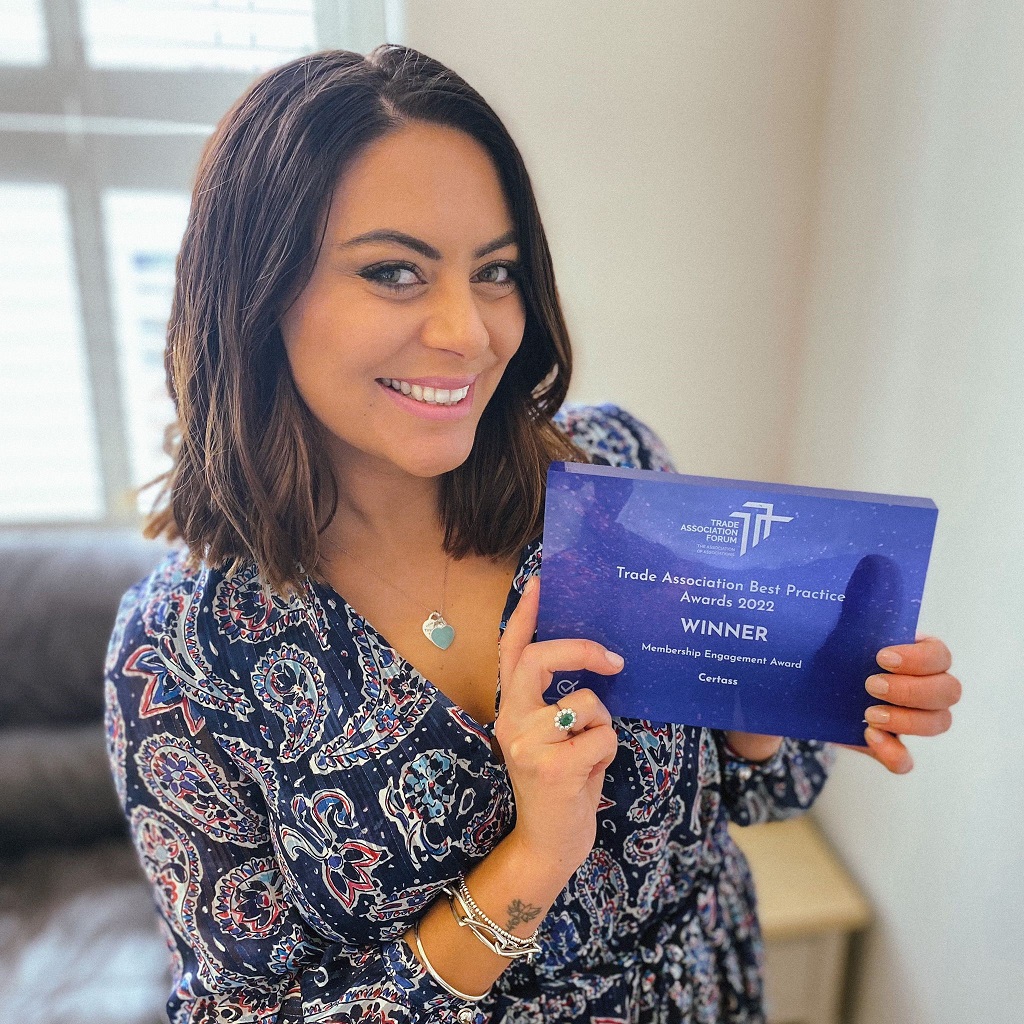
point(724, 536)
point(762, 523)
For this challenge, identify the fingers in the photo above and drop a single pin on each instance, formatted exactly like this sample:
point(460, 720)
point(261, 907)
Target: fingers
point(590, 713)
point(593, 750)
point(519, 630)
point(931, 693)
point(593, 737)
point(920, 691)
point(549, 656)
point(888, 751)
point(909, 721)
point(576, 758)
point(540, 661)
point(928, 656)
point(527, 668)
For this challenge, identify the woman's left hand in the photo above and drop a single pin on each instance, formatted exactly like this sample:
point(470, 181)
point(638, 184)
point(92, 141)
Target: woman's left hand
point(920, 687)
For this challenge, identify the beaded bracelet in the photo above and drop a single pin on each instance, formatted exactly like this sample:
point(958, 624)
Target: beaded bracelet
point(437, 977)
point(489, 932)
point(495, 940)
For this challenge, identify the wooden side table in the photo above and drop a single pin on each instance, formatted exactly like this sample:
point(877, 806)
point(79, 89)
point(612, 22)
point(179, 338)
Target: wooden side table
point(809, 907)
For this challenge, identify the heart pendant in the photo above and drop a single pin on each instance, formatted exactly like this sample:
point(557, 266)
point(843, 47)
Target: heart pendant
point(438, 632)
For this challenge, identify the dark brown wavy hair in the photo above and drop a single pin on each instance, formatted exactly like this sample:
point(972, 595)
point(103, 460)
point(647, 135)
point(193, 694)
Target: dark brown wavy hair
point(250, 477)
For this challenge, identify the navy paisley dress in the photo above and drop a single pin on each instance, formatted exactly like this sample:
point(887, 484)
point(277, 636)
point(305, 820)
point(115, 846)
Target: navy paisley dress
point(298, 795)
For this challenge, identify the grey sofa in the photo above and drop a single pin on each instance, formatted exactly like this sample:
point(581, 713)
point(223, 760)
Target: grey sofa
point(79, 941)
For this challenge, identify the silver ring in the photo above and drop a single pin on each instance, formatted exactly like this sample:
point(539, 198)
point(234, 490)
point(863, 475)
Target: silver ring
point(565, 718)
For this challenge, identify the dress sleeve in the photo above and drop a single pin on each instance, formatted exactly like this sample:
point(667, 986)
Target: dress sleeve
point(650, 451)
point(240, 948)
point(781, 787)
point(611, 436)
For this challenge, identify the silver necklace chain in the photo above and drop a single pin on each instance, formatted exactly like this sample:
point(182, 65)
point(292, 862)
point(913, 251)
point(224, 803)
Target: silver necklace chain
point(435, 628)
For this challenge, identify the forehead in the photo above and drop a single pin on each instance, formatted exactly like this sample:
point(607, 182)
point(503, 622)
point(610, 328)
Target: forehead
point(431, 181)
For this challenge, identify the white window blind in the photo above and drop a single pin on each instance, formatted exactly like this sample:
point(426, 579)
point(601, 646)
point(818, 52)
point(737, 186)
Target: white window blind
point(240, 35)
point(22, 33)
point(144, 232)
point(48, 456)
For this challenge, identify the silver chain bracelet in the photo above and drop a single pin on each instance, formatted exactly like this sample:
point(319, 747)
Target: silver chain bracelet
point(489, 932)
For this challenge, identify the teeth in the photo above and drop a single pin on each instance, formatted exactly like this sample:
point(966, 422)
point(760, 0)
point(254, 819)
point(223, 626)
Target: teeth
point(432, 396)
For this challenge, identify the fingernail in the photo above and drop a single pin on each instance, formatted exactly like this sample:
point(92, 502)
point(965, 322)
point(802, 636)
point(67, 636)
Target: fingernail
point(615, 660)
point(531, 585)
point(877, 685)
point(889, 659)
point(873, 736)
point(877, 716)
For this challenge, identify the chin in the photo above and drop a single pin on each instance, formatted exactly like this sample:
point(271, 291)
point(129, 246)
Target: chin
point(434, 464)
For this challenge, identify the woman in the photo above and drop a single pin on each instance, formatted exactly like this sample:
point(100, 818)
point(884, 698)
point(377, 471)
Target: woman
point(369, 365)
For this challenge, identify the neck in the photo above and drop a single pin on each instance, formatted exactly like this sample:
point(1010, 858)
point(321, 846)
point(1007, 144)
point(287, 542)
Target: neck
point(387, 517)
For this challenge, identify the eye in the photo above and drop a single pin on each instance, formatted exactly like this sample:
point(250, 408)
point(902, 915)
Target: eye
point(512, 272)
point(381, 271)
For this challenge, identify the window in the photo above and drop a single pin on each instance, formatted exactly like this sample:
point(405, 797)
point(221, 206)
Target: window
point(236, 35)
point(143, 231)
point(47, 434)
point(23, 40)
point(104, 109)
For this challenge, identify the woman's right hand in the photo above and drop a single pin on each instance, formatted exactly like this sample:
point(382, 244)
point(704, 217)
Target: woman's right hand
point(557, 778)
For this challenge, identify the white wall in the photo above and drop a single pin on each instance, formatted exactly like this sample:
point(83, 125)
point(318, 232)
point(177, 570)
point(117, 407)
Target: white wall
point(673, 147)
point(914, 383)
point(805, 222)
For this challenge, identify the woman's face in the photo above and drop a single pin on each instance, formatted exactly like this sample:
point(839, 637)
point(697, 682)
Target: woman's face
point(436, 311)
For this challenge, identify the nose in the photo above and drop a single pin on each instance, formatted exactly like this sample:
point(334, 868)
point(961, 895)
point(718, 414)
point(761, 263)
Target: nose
point(455, 323)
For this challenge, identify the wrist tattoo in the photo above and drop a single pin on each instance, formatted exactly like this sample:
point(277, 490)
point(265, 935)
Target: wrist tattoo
point(520, 912)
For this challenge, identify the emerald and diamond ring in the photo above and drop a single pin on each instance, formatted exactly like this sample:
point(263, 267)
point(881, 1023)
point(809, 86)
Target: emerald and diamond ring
point(565, 719)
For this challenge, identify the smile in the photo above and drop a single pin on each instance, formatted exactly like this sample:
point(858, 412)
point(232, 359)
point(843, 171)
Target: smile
point(427, 395)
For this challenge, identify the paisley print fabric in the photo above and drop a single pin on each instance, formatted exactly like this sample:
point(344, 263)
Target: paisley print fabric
point(298, 795)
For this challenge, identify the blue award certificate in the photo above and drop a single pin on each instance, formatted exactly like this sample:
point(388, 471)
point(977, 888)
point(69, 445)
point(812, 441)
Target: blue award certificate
point(736, 605)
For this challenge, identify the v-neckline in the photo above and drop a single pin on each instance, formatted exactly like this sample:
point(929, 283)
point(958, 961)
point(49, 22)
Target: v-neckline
point(514, 592)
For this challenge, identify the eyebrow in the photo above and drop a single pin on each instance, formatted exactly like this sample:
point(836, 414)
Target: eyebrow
point(401, 238)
